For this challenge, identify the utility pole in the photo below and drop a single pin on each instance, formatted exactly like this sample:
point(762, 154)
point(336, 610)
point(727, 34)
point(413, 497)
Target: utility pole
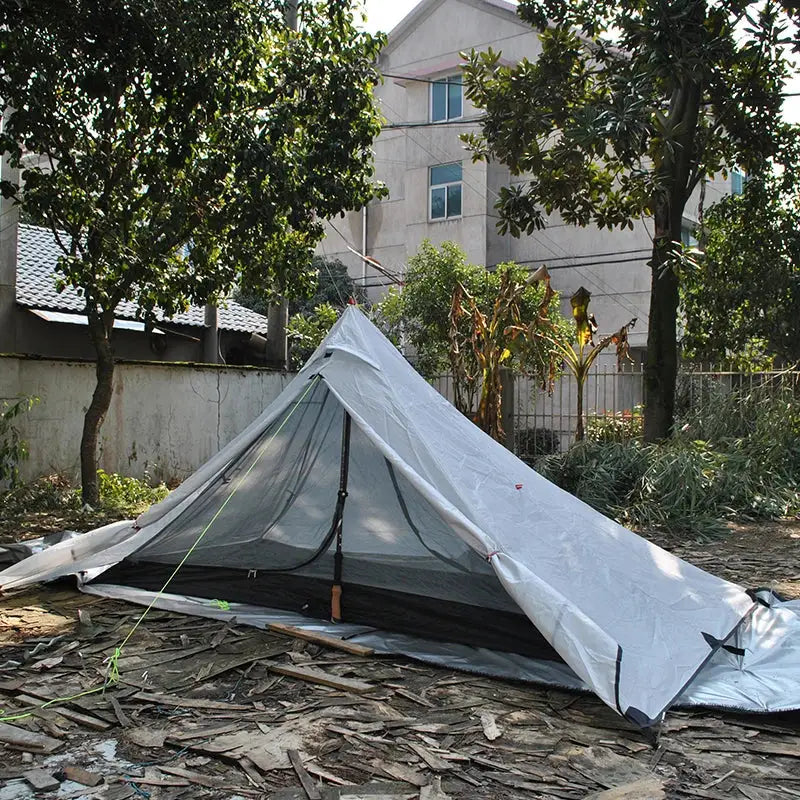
point(276, 351)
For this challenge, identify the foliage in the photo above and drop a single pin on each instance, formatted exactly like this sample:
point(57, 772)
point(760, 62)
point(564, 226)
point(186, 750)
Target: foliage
point(307, 330)
point(492, 338)
point(180, 145)
point(120, 495)
point(419, 314)
point(118, 492)
point(532, 443)
point(332, 285)
point(13, 448)
point(621, 426)
point(737, 455)
point(628, 108)
point(579, 359)
point(742, 301)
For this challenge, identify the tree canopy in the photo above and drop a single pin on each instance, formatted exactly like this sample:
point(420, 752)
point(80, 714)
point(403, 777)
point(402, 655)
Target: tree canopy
point(331, 284)
point(174, 147)
point(741, 300)
point(629, 106)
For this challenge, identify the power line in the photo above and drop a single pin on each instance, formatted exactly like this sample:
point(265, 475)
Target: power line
point(593, 255)
point(398, 125)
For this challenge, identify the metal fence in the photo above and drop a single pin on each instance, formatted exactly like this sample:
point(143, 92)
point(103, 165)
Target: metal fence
point(545, 420)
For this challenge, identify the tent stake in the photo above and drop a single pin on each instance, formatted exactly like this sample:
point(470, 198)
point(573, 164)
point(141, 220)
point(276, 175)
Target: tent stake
point(336, 589)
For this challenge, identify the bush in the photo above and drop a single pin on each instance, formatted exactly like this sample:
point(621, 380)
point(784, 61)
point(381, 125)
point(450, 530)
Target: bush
point(54, 493)
point(531, 443)
point(738, 455)
point(119, 493)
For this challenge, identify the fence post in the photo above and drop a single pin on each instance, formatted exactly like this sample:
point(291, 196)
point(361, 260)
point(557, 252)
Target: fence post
point(507, 406)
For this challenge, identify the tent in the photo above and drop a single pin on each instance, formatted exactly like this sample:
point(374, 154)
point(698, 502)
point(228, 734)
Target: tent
point(362, 496)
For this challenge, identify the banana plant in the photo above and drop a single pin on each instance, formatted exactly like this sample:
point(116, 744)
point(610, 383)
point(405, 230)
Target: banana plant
point(580, 357)
point(494, 339)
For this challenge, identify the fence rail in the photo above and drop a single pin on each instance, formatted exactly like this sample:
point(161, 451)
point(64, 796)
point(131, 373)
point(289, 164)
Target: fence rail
point(545, 420)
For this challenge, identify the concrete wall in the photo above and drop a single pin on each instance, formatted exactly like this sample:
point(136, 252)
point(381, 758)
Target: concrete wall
point(165, 419)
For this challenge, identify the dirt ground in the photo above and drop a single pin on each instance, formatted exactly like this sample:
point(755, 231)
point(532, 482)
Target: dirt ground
point(208, 709)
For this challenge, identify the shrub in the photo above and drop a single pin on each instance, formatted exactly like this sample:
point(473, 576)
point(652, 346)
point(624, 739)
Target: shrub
point(737, 455)
point(54, 493)
point(127, 494)
point(531, 443)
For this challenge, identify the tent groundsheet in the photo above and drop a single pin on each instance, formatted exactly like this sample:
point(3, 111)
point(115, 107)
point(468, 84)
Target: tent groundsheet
point(444, 545)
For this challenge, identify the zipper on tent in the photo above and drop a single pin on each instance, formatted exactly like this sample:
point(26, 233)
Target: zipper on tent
point(338, 515)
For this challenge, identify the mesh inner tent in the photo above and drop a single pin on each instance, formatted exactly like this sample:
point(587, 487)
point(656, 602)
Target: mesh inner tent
point(403, 566)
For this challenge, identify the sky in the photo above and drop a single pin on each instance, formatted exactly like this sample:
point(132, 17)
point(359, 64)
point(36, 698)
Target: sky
point(383, 15)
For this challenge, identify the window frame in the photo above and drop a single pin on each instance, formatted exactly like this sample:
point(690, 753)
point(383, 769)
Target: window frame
point(445, 186)
point(446, 81)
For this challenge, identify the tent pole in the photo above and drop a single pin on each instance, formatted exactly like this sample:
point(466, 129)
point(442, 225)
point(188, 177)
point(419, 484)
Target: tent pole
point(336, 589)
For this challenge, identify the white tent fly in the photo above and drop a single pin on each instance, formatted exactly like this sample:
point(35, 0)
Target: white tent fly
point(361, 495)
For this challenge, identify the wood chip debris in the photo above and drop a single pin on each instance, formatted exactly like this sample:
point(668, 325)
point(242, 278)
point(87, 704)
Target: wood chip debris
point(208, 709)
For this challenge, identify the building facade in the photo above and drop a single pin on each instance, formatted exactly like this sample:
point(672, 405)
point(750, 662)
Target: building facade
point(436, 192)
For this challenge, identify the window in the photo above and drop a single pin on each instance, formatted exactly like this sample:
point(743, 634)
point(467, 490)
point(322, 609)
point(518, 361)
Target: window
point(688, 239)
point(446, 99)
point(737, 181)
point(445, 186)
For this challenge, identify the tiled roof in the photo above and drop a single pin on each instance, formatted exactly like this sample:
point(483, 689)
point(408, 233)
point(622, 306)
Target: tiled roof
point(37, 255)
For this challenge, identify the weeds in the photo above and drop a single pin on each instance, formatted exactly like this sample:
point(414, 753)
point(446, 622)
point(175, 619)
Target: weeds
point(13, 449)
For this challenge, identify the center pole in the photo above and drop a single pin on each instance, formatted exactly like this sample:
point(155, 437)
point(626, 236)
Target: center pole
point(336, 589)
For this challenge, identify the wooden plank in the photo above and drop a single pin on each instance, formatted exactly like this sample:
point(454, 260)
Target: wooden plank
point(209, 781)
point(41, 780)
point(74, 716)
point(644, 789)
point(118, 712)
point(20, 739)
point(320, 677)
point(321, 639)
point(432, 760)
point(78, 774)
point(222, 664)
point(307, 782)
point(189, 702)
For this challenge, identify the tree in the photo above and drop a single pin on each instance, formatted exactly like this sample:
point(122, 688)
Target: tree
point(741, 301)
point(419, 316)
point(628, 108)
point(332, 285)
point(306, 331)
point(182, 144)
point(495, 338)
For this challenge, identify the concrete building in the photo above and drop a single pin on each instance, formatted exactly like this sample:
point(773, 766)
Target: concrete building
point(436, 192)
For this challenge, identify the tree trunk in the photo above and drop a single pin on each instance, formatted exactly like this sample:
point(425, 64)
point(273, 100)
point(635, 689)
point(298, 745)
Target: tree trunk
point(661, 364)
point(100, 325)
